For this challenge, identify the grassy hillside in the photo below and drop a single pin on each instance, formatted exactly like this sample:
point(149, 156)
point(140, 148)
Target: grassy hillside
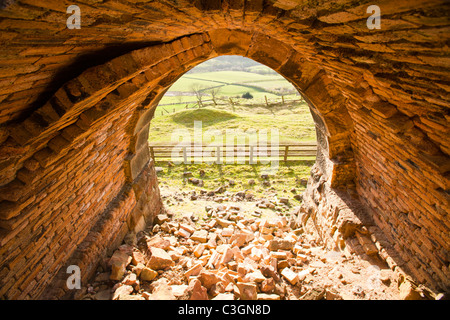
point(275, 104)
point(227, 84)
point(230, 82)
point(295, 124)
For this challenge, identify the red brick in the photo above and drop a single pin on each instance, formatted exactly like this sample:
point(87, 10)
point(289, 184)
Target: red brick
point(380, 112)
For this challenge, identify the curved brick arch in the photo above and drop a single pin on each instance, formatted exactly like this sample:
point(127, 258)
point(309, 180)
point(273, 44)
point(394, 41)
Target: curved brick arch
point(392, 83)
point(128, 88)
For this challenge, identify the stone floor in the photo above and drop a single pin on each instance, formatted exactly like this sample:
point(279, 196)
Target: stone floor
point(234, 250)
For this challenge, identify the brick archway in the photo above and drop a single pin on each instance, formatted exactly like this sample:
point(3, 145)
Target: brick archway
point(379, 101)
point(113, 103)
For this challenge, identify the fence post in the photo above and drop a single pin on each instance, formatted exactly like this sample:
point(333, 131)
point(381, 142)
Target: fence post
point(251, 161)
point(218, 155)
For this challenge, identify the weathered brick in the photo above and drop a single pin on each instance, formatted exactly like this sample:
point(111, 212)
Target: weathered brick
point(45, 157)
point(230, 42)
point(71, 132)
point(58, 143)
point(378, 98)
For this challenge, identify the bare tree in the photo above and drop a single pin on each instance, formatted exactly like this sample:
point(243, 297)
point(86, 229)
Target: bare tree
point(199, 93)
point(214, 92)
point(232, 104)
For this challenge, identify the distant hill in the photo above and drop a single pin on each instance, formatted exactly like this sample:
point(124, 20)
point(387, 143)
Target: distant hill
point(232, 63)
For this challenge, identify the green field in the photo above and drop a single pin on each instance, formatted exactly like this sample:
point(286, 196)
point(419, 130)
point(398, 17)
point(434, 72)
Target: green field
point(227, 84)
point(226, 79)
point(275, 103)
point(294, 123)
point(185, 83)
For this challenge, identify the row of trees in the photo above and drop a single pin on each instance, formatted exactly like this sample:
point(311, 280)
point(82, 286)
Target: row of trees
point(200, 92)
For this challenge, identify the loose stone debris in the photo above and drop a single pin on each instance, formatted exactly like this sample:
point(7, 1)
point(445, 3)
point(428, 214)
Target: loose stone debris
point(229, 255)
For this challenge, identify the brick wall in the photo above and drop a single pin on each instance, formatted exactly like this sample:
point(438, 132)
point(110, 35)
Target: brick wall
point(75, 107)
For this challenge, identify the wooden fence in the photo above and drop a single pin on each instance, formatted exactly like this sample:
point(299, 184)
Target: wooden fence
point(251, 154)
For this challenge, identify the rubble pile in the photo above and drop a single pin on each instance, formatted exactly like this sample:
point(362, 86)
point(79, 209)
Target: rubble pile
point(230, 255)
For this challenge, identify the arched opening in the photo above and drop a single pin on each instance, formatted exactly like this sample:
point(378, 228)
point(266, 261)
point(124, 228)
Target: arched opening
point(90, 138)
point(228, 108)
point(84, 114)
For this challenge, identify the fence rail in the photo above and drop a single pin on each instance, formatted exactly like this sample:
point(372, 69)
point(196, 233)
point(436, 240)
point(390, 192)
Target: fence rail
point(189, 153)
